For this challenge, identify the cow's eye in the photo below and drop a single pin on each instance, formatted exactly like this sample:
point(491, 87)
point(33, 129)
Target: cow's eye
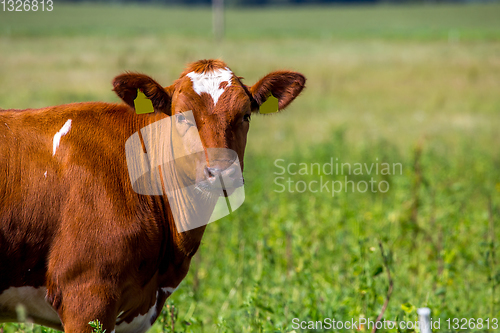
point(247, 117)
point(181, 118)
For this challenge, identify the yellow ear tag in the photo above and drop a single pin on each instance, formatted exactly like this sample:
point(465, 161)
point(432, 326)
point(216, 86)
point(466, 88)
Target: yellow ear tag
point(142, 103)
point(269, 106)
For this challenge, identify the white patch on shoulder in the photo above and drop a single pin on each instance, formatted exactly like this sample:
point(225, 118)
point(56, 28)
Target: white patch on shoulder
point(169, 290)
point(45, 174)
point(139, 324)
point(33, 300)
point(210, 82)
point(57, 138)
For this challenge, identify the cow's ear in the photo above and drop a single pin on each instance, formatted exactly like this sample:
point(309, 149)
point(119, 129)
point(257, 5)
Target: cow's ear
point(284, 85)
point(126, 86)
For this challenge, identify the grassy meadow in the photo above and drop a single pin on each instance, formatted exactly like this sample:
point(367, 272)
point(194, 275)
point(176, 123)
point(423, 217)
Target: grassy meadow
point(410, 86)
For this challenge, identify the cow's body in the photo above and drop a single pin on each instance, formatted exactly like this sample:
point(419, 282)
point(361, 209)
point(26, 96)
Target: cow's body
point(64, 209)
point(77, 243)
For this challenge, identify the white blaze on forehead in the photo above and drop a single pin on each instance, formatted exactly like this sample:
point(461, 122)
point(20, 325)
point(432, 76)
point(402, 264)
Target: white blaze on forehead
point(210, 82)
point(57, 138)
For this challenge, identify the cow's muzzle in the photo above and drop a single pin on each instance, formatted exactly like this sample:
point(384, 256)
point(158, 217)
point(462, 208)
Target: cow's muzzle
point(226, 179)
point(223, 172)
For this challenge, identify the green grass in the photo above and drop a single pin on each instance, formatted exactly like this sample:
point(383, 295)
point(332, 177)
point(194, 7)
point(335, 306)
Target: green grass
point(413, 85)
point(394, 22)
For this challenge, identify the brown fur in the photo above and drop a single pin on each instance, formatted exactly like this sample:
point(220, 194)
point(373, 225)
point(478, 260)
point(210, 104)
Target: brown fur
point(81, 231)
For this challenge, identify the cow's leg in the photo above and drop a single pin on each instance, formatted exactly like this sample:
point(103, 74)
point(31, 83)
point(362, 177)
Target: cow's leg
point(85, 302)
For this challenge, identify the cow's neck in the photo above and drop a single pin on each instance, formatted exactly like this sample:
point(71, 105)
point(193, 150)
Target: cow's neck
point(189, 208)
point(179, 248)
point(193, 212)
point(187, 243)
point(184, 244)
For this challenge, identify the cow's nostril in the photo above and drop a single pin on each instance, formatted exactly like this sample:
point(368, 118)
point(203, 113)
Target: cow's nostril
point(207, 173)
point(229, 172)
point(211, 172)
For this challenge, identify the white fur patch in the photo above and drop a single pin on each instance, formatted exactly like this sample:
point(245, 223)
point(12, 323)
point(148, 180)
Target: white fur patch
point(210, 82)
point(169, 290)
point(33, 300)
point(57, 138)
point(139, 324)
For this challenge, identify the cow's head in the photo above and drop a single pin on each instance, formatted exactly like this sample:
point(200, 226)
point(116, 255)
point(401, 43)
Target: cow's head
point(221, 106)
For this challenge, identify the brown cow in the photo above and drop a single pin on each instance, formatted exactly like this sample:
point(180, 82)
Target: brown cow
point(77, 243)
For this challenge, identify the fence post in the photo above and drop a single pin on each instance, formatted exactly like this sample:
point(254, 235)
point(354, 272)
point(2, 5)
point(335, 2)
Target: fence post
point(218, 19)
point(424, 315)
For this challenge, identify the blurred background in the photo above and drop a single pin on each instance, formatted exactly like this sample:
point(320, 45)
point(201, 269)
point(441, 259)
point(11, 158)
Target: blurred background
point(409, 82)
